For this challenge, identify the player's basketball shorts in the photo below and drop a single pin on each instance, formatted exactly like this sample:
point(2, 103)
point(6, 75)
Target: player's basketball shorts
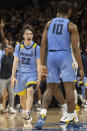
point(60, 62)
point(84, 82)
point(25, 80)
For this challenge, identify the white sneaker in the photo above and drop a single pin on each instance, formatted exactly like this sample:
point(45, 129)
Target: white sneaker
point(11, 110)
point(84, 104)
point(67, 117)
point(17, 107)
point(63, 117)
point(26, 116)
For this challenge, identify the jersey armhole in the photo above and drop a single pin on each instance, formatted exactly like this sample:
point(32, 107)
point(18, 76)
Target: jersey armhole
point(49, 24)
point(68, 26)
point(35, 50)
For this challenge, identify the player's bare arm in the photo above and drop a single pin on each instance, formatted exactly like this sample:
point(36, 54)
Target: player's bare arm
point(14, 68)
point(44, 44)
point(43, 50)
point(38, 71)
point(2, 26)
point(74, 41)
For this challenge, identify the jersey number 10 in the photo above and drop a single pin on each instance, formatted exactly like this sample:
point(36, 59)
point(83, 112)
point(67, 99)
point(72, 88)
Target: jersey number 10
point(57, 28)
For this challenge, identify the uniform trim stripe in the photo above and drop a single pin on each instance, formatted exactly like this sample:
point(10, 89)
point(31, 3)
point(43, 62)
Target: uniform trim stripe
point(31, 82)
point(22, 93)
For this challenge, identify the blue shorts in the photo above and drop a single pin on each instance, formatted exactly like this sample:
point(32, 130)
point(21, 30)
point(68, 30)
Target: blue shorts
point(60, 62)
point(25, 80)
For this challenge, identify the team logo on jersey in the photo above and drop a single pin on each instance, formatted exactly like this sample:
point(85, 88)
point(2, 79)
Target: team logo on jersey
point(21, 46)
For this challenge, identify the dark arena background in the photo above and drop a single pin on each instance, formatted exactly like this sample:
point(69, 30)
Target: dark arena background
point(16, 14)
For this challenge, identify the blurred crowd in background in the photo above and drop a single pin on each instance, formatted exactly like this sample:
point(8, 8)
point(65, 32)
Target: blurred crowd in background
point(37, 13)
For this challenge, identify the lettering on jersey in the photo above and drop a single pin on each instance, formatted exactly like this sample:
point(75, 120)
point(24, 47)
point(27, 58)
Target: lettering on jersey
point(26, 54)
point(61, 21)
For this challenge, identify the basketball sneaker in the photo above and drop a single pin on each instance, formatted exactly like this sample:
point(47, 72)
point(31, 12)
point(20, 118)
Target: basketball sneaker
point(84, 104)
point(26, 116)
point(41, 121)
point(67, 117)
point(11, 110)
point(63, 117)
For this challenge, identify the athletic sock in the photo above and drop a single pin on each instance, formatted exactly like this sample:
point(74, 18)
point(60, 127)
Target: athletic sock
point(43, 112)
point(64, 108)
point(39, 101)
point(75, 94)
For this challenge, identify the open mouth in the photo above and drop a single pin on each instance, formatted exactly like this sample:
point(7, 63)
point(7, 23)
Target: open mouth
point(29, 39)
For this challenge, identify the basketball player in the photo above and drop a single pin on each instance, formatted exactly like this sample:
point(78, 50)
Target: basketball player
point(27, 61)
point(57, 36)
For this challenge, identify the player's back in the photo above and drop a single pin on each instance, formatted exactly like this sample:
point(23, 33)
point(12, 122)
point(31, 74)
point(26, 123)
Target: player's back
point(58, 35)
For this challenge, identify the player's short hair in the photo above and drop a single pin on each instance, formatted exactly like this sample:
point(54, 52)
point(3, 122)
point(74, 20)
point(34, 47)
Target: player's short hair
point(64, 7)
point(27, 27)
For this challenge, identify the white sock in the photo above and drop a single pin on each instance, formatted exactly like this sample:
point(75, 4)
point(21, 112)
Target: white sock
point(75, 94)
point(39, 101)
point(43, 111)
point(64, 108)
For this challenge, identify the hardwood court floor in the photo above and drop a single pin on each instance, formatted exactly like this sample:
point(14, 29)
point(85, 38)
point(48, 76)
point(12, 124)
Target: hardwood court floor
point(13, 122)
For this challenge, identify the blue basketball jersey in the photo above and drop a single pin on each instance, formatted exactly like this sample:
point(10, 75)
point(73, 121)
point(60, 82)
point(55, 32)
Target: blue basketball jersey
point(27, 57)
point(58, 35)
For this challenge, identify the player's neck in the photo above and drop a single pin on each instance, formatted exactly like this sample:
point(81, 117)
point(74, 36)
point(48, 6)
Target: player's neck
point(63, 16)
point(27, 43)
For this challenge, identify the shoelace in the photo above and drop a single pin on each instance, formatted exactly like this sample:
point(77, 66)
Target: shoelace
point(29, 116)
